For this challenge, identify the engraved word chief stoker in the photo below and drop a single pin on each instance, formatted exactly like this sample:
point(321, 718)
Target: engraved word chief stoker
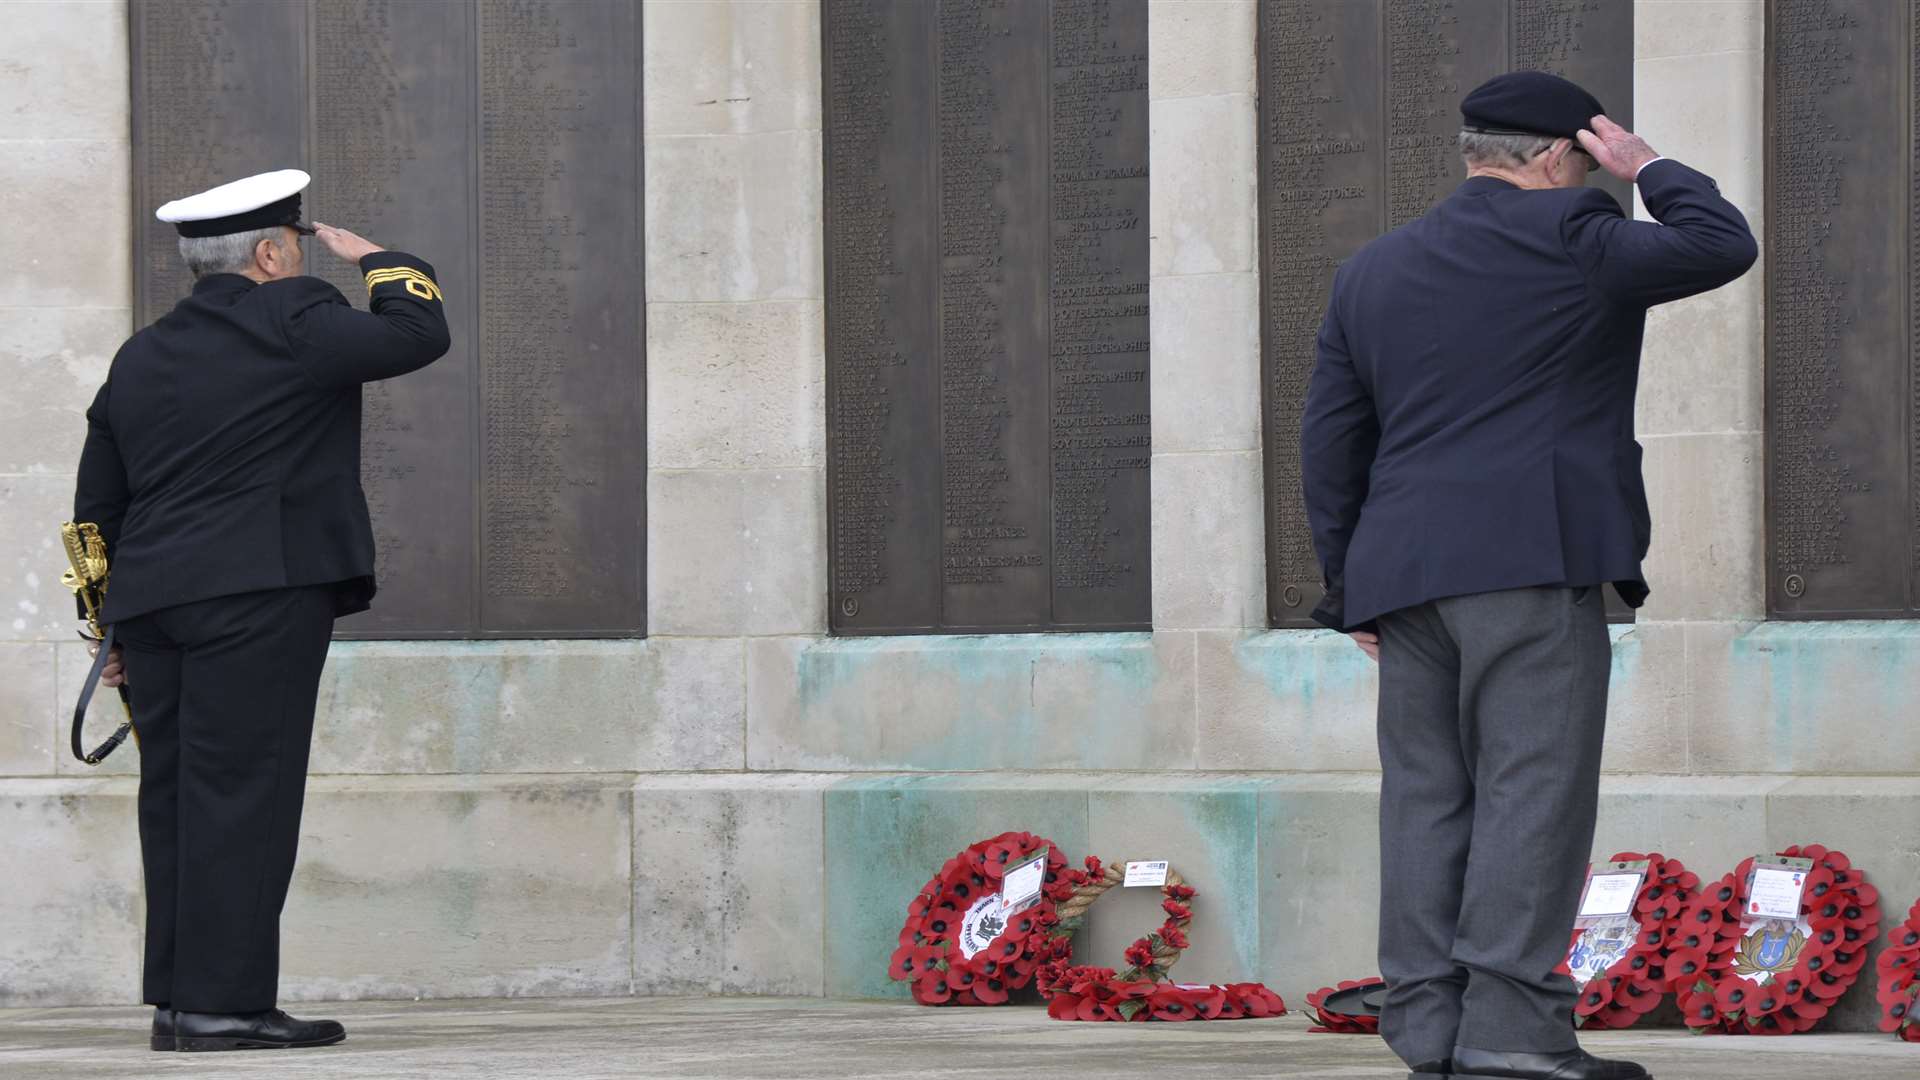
point(222, 470)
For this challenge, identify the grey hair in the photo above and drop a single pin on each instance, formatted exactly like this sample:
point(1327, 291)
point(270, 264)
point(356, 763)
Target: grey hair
point(1482, 149)
point(230, 254)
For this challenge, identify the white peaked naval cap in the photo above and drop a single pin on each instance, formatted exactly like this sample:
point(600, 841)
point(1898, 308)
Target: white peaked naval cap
point(256, 202)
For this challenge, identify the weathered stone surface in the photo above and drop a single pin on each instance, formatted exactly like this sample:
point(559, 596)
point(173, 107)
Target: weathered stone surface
point(1647, 700)
point(736, 551)
point(1707, 110)
point(732, 66)
point(53, 360)
point(887, 835)
point(732, 1038)
point(734, 218)
point(728, 886)
point(1804, 697)
point(45, 188)
point(27, 709)
point(1695, 374)
point(33, 604)
point(71, 912)
point(1694, 28)
point(1203, 215)
point(1208, 829)
point(1200, 49)
point(736, 385)
point(66, 72)
point(1319, 861)
point(1708, 822)
point(1016, 701)
point(1285, 699)
point(1706, 559)
point(1208, 555)
point(461, 887)
point(531, 706)
point(1206, 363)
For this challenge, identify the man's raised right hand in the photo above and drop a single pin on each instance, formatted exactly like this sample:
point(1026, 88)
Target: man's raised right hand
point(1618, 150)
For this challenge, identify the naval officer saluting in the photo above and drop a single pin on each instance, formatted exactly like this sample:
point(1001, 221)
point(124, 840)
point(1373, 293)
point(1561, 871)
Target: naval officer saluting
point(222, 464)
point(1473, 481)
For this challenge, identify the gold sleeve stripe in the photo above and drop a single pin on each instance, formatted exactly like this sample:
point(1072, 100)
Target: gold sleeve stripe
point(416, 282)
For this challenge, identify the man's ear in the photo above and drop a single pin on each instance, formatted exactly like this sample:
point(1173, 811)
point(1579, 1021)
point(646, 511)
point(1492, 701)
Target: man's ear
point(265, 259)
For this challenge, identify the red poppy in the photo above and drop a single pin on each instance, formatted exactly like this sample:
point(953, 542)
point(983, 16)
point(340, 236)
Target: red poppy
point(1174, 937)
point(1140, 954)
point(1732, 994)
point(1176, 910)
point(1094, 867)
point(1684, 967)
point(1180, 892)
point(932, 989)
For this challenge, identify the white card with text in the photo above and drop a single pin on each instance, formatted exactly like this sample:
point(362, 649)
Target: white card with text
point(1146, 873)
point(1020, 886)
point(1775, 893)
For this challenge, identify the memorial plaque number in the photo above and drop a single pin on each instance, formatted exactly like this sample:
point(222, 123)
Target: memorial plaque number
point(500, 140)
point(986, 199)
point(1841, 393)
point(1359, 112)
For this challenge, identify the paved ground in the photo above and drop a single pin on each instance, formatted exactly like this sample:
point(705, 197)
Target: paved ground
point(787, 1038)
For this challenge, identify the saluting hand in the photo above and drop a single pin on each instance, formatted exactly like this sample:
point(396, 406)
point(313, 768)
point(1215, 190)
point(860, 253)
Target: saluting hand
point(349, 246)
point(1618, 150)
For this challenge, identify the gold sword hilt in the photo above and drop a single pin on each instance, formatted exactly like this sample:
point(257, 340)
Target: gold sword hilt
point(86, 573)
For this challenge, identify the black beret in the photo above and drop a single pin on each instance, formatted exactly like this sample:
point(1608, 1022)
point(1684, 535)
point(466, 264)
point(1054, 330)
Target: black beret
point(1529, 103)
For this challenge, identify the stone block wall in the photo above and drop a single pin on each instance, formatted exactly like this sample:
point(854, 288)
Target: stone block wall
point(740, 803)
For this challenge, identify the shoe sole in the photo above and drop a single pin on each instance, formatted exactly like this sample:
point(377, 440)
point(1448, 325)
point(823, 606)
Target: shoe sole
point(1486, 1076)
point(196, 1046)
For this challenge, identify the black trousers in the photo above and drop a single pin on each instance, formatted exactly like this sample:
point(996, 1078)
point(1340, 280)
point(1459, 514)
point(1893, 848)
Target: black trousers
point(223, 696)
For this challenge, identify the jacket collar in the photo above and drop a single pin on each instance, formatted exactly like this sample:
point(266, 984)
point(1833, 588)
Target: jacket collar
point(221, 283)
point(1485, 185)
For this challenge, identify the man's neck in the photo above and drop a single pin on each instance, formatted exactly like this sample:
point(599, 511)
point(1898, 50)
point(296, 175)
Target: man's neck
point(1526, 180)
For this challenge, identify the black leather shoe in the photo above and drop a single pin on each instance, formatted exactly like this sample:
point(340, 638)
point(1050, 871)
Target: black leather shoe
point(1432, 1070)
point(1469, 1064)
point(270, 1030)
point(163, 1028)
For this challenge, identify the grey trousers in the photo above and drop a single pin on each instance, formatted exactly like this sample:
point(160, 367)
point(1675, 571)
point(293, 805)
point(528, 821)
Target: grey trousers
point(1492, 711)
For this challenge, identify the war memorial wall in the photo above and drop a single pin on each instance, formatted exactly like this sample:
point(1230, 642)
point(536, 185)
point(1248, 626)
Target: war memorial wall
point(740, 801)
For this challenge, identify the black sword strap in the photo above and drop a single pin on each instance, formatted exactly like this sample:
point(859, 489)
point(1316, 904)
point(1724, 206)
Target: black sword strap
point(101, 656)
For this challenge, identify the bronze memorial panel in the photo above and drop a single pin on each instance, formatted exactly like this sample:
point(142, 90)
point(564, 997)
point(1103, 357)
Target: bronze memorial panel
point(1841, 391)
point(500, 140)
point(1359, 110)
point(986, 222)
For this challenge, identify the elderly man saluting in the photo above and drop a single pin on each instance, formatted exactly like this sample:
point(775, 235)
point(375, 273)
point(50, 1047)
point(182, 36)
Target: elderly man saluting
point(1472, 481)
point(222, 465)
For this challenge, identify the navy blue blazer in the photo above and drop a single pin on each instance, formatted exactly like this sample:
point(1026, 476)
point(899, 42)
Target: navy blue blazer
point(223, 451)
point(1469, 424)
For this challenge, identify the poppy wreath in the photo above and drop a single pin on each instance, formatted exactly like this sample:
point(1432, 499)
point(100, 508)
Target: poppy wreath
point(1899, 969)
point(931, 954)
point(1636, 983)
point(1714, 961)
point(1141, 992)
point(1326, 1022)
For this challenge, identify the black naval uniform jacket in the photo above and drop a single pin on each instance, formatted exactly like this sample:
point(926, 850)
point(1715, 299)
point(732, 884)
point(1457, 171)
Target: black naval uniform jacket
point(223, 451)
point(1469, 423)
